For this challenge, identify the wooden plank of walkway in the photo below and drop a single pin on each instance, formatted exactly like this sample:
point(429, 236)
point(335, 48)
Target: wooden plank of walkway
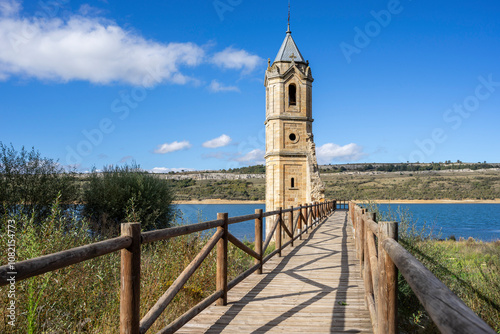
point(315, 287)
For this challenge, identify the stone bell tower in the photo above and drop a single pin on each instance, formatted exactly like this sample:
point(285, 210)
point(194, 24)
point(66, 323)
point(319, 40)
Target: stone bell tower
point(292, 176)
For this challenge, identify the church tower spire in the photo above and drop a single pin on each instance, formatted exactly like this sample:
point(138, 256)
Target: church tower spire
point(288, 30)
point(292, 176)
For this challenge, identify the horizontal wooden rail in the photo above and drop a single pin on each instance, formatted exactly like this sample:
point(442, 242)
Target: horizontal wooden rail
point(43, 264)
point(177, 231)
point(273, 213)
point(449, 313)
point(240, 219)
point(270, 213)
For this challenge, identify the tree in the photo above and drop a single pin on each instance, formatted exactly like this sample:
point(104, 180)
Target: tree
point(30, 182)
point(119, 194)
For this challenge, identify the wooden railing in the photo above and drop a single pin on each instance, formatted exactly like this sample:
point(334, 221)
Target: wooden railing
point(381, 256)
point(306, 217)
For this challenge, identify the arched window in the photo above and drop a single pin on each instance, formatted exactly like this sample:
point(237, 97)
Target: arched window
point(293, 182)
point(292, 95)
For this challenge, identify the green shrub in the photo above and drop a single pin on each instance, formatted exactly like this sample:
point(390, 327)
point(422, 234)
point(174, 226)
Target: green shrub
point(127, 193)
point(28, 178)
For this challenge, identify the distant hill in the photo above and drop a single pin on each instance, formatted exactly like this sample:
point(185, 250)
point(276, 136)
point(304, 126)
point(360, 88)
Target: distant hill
point(363, 167)
point(457, 181)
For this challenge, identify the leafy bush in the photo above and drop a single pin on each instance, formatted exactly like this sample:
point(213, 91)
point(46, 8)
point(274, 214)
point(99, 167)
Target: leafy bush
point(28, 178)
point(127, 193)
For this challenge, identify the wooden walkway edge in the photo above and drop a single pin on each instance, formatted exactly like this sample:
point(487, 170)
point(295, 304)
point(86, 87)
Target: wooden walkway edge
point(316, 287)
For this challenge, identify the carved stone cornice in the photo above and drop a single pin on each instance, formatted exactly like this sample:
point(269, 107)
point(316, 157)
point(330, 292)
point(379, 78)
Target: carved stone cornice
point(288, 154)
point(289, 118)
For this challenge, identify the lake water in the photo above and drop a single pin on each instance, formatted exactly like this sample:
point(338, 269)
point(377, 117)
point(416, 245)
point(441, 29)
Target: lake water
point(480, 221)
point(194, 213)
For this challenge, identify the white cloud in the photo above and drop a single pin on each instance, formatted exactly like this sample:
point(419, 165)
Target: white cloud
point(126, 158)
point(175, 146)
point(9, 7)
point(87, 9)
point(86, 48)
point(216, 87)
point(328, 152)
point(254, 156)
point(221, 141)
point(231, 58)
point(219, 155)
point(167, 170)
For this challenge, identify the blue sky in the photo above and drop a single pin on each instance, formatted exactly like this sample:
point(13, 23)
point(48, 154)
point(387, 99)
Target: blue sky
point(179, 84)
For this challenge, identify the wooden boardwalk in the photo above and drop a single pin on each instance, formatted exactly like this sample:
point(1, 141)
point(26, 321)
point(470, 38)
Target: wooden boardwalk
point(315, 287)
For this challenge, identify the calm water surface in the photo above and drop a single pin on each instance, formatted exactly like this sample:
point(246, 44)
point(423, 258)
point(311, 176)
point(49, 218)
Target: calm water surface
point(202, 212)
point(480, 221)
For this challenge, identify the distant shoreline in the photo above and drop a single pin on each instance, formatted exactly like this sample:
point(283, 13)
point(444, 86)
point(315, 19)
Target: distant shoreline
point(380, 201)
point(435, 201)
point(219, 201)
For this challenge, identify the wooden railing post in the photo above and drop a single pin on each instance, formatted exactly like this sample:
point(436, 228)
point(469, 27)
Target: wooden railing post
point(388, 282)
point(290, 224)
point(358, 228)
point(221, 279)
point(366, 259)
point(362, 240)
point(299, 223)
point(351, 212)
point(316, 212)
point(371, 281)
point(278, 232)
point(318, 209)
point(308, 205)
point(258, 239)
point(130, 293)
point(372, 254)
point(391, 272)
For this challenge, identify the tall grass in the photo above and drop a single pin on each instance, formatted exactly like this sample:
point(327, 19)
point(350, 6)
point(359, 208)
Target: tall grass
point(84, 298)
point(470, 268)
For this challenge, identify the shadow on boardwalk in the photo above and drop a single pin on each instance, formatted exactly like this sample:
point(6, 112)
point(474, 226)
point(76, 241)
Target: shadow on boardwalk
point(314, 288)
